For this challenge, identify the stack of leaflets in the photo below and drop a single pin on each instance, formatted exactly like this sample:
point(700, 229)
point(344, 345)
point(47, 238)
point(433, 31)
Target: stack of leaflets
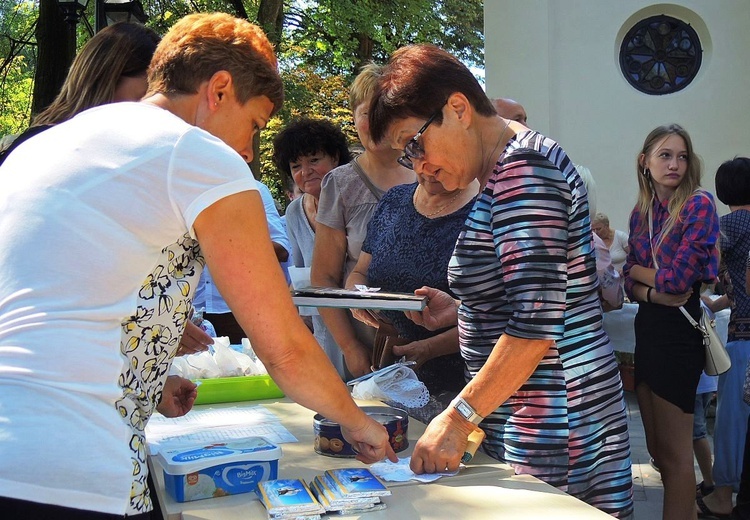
point(349, 491)
point(289, 499)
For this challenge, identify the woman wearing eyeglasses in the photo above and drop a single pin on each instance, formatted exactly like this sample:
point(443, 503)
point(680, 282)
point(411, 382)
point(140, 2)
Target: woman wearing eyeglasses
point(544, 384)
point(348, 197)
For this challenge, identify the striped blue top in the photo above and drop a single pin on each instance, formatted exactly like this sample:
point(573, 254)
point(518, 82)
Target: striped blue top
point(524, 265)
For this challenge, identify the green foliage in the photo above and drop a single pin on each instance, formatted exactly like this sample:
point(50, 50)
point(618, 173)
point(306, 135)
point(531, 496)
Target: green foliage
point(15, 98)
point(17, 64)
point(337, 37)
point(323, 44)
point(164, 13)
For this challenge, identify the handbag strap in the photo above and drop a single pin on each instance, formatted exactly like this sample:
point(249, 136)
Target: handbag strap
point(366, 180)
point(651, 234)
point(691, 320)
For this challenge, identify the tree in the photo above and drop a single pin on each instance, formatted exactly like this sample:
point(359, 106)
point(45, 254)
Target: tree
point(17, 64)
point(321, 45)
point(270, 18)
point(338, 37)
point(57, 48)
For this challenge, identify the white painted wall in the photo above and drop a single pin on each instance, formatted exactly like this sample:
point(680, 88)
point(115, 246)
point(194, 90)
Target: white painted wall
point(559, 58)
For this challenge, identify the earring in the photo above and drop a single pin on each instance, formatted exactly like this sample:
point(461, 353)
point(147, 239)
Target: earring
point(647, 172)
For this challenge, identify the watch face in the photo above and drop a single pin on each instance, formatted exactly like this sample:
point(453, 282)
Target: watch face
point(463, 409)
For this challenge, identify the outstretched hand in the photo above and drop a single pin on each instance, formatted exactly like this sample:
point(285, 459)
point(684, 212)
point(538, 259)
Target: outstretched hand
point(441, 310)
point(442, 445)
point(370, 442)
point(417, 351)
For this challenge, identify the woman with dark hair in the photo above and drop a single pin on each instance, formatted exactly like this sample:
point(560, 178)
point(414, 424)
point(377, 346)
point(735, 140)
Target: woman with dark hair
point(543, 380)
point(110, 67)
point(732, 413)
point(673, 240)
point(89, 207)
point(307, 150)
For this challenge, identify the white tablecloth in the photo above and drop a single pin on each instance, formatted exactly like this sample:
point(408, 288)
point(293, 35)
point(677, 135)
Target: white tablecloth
point(619, 326)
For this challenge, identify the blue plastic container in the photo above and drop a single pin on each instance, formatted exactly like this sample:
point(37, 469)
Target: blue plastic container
point(218, 470)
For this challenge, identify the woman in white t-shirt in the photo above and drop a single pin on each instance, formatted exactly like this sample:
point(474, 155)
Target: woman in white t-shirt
point(93, 206)
point(614, 239)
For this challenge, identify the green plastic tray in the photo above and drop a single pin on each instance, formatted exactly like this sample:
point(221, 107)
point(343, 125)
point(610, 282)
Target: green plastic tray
point(232, 389)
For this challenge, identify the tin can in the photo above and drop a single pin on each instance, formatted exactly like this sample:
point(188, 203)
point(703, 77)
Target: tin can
point(330, 442)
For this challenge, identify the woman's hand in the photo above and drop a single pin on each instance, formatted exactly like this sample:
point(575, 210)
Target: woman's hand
point(670, 300)
point(357, 359)
point(441, 310)
point(708, 302)
point(177, 397)
point(442, 445)
point(194, 339)
point(418, 351)
point(370, 441)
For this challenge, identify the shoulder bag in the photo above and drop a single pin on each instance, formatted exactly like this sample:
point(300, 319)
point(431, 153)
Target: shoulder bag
point(717, 357)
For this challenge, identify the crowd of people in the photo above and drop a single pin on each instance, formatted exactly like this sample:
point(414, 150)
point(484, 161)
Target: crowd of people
point(120, 198)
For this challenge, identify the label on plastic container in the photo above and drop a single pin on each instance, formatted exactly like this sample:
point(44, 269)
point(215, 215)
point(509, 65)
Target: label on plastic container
point(219, 481)
point(219, 469)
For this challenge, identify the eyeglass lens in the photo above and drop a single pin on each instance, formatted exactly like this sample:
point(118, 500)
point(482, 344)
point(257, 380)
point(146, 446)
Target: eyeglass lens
point(413, 150)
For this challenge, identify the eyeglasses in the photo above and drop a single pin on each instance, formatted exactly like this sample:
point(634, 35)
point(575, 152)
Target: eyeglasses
point(413, 150)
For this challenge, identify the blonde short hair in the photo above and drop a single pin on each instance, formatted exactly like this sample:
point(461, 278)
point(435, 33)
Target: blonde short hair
point(364, 84)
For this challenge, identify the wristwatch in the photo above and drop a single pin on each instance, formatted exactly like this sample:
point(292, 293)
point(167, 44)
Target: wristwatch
point(466, 411)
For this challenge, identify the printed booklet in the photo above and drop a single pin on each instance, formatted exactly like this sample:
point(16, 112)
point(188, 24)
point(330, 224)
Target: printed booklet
point(356, 299)
point(355, 483)
point(288, 498)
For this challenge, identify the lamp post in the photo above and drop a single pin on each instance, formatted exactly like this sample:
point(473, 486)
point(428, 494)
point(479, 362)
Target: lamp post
point(72, 10)
point(109, 12)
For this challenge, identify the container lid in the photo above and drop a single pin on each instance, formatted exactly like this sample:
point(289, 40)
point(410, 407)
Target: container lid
point(382, 414)
point(181, 461)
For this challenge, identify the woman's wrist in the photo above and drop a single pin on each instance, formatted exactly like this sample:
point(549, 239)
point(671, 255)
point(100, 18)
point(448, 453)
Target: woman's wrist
point(443, 344)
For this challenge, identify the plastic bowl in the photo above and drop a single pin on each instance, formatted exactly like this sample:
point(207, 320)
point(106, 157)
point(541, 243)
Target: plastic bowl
point(233, 389)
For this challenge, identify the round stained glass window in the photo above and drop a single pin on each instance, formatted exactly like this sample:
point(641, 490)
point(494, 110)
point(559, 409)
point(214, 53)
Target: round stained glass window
point(660, 55)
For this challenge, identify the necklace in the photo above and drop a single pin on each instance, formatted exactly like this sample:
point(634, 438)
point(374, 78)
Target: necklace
point(485, 173)
point(441, 208)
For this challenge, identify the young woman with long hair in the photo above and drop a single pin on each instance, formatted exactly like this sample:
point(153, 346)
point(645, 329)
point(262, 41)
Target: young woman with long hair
point(674, 233)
